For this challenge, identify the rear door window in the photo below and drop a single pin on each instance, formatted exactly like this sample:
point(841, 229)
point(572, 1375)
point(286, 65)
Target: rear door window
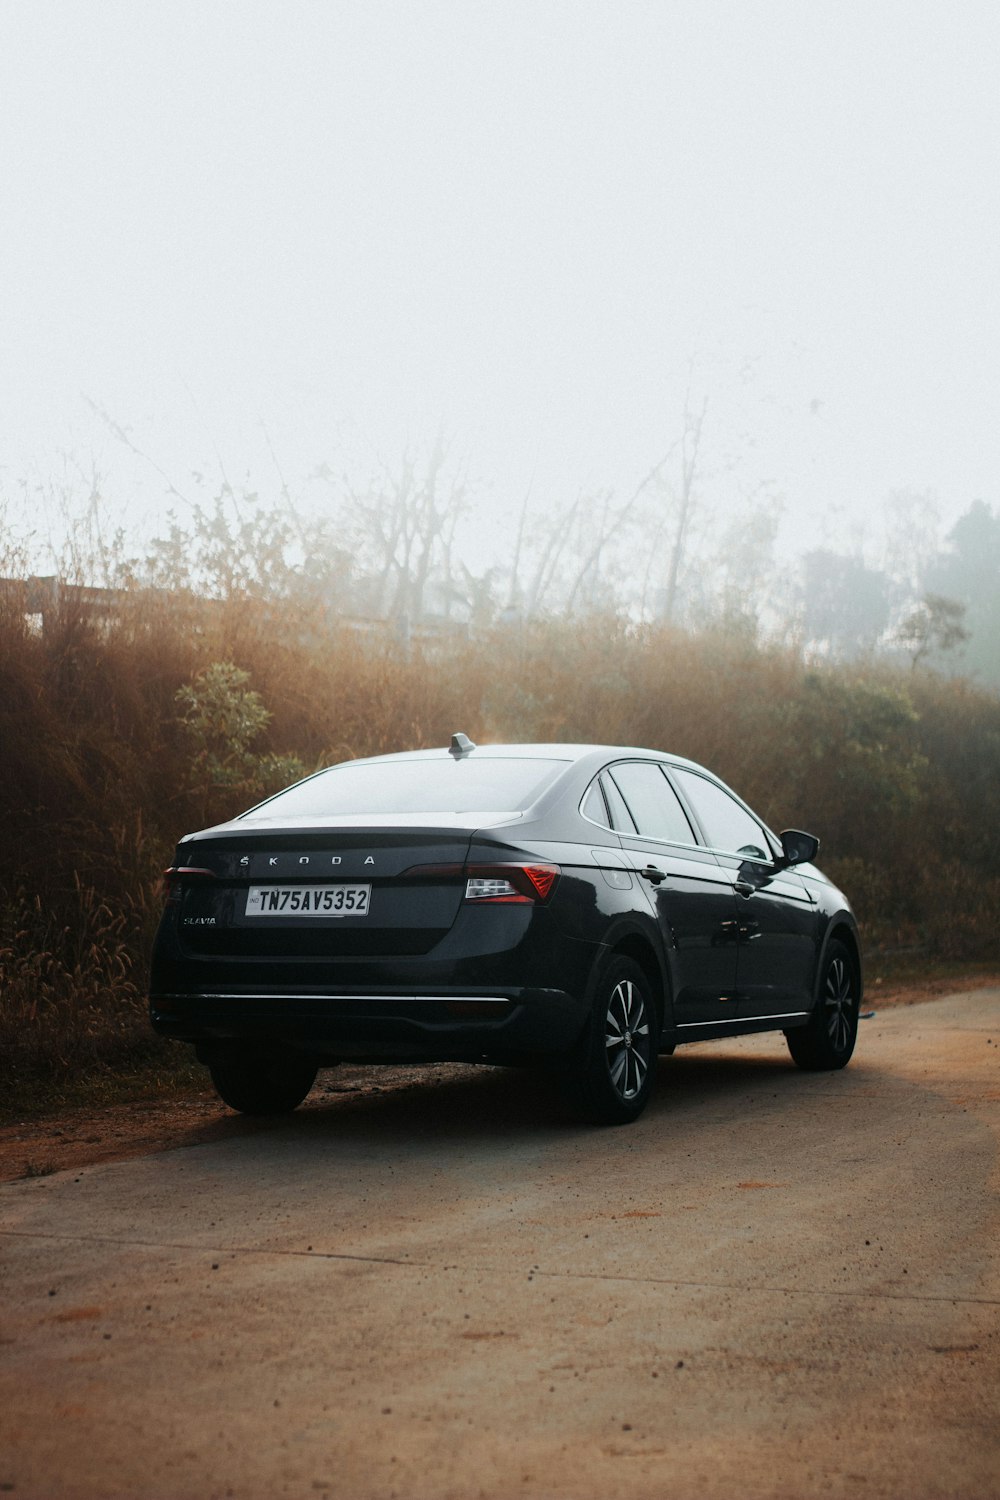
point(655, 807)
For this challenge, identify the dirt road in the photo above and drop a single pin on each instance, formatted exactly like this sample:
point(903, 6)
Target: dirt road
point(775, 1284)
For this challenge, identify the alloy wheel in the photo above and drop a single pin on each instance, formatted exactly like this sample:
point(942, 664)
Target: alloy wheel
point(627, 1039)
point(839, 1003)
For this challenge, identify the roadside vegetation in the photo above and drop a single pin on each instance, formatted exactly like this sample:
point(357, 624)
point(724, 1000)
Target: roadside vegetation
point(223, 668)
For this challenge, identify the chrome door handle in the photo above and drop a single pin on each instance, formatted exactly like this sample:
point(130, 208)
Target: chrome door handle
point(652, 874)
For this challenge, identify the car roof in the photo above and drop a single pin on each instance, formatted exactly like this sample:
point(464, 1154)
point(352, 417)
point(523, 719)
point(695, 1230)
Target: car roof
point(533, 750)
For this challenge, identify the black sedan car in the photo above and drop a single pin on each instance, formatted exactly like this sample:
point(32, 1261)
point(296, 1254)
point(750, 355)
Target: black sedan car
point(581, 906)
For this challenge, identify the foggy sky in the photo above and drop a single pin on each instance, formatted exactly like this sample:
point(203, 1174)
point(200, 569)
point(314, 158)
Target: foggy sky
point(332, 229)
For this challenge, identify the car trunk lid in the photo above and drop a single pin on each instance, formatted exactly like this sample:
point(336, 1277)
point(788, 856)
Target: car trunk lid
point(312, 892)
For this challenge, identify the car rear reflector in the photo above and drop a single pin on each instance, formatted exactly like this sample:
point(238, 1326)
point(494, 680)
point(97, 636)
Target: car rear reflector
point(173, 875)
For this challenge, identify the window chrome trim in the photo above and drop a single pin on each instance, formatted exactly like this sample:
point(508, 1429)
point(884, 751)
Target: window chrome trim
point(651, 838)
point(602, 826)
point(668, 766)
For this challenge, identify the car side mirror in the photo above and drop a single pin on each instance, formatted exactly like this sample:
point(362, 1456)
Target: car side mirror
point(798, 848)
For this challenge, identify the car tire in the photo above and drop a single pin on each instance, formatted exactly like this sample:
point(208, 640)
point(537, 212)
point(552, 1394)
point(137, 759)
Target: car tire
point(610, 1074)
point(262, 1083)
point(828, 1039)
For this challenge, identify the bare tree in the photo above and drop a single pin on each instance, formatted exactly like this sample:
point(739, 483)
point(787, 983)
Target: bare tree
point(554, 545)
point(690, 446)
point(405, 527)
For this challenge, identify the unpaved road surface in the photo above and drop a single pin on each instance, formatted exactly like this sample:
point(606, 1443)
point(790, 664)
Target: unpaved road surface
point(775, 1284)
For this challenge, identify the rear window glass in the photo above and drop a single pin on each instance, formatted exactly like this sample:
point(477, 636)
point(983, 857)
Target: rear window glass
point(417, 786)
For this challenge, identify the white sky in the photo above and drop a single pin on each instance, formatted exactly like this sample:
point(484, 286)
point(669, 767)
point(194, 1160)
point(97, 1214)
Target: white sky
point(353, 222)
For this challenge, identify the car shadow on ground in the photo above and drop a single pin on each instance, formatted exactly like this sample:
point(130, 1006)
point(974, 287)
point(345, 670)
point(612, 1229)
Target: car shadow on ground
point(469, 1103)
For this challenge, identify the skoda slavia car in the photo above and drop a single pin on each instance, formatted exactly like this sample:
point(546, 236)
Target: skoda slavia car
point(582, 908)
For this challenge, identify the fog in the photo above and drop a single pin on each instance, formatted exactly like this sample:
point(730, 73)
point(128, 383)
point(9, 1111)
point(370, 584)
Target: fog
point(264, 247)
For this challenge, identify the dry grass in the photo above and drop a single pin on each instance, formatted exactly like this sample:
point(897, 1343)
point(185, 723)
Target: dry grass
point(900, 776)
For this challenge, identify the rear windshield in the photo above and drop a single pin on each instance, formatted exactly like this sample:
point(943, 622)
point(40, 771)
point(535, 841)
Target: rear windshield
point(417, 786)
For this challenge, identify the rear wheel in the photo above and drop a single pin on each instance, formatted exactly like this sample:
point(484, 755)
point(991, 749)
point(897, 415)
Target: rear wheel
point(827, 1041)
point(262, 1083)
point(611, 1072)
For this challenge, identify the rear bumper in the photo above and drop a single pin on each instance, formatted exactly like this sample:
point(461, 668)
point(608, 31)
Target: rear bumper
point(443, 1025)
point(504, 981)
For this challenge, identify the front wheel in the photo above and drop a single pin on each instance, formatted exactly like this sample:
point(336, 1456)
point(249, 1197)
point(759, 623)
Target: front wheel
point(262, 1083)
point(610, 1074)
point(827, 1041)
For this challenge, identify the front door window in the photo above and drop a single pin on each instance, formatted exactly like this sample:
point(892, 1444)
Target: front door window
point(727, 825)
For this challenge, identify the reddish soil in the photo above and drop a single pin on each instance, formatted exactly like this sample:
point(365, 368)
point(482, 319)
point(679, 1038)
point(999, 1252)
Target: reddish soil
point(83, 1135)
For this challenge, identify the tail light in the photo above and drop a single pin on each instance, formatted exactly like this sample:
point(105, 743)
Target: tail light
point(510, 883)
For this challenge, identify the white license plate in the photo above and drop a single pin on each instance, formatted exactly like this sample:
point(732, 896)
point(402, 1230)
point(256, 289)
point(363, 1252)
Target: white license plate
point(308, 900)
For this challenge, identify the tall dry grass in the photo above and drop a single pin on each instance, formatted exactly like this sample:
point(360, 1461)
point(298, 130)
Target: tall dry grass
point(899, 775)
